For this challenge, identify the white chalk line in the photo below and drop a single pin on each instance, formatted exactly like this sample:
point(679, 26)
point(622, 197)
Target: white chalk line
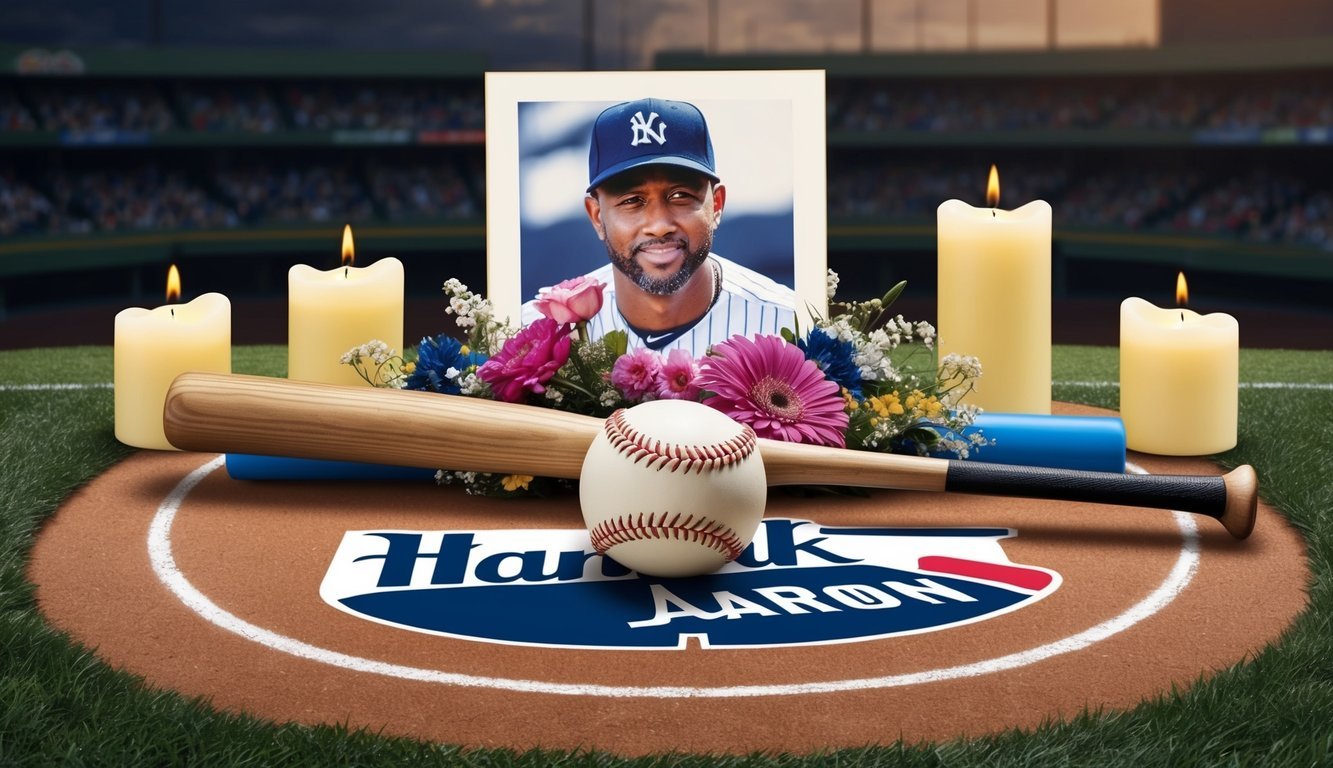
point(164, 566)
point(1293, 385)
point(53, 387)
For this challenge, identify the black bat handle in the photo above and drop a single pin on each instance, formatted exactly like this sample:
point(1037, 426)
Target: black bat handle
point(1232, 498)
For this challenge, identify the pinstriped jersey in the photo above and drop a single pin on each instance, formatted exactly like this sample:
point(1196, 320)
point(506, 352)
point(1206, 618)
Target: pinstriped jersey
point(749, 304)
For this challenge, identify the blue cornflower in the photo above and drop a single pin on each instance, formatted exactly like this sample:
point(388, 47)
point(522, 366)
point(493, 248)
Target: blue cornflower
point(435, 357)
point(834, 358)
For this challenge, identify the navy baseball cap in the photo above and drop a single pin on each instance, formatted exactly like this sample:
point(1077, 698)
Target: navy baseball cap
point(649, 132)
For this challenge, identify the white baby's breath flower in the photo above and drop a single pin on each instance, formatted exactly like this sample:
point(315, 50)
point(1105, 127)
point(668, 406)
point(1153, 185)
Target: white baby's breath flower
point(454, 287)
point(378, 352)
point(482, 309)
point(956, 366)
point(884, 340)
point(966, 414)
point(840, 328)
point(925, 331)
point(831, 283)
point(962, 448)
point(472, 386)
point(871, 355)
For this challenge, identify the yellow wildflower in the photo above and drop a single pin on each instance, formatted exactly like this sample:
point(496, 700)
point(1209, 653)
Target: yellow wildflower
point(512, 483)
point(892, 404)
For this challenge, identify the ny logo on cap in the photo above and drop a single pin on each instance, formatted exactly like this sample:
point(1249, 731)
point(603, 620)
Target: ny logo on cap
point(643, 130)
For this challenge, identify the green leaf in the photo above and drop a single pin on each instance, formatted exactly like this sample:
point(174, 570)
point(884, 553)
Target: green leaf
point(894, 293)
point(617, 342)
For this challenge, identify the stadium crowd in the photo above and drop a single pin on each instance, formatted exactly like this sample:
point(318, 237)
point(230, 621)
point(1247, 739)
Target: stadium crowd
point(87, 107)
point(323, 107)
point(1160, 104)
point(854, 105)
point(1252, 202)
point(1259, 205)
point(213, 108)
point(147, 197)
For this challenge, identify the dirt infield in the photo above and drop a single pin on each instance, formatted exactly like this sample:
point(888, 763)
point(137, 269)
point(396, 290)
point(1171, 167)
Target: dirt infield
point(215, 591)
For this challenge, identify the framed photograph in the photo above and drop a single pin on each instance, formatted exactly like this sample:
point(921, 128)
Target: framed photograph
point(767, 130)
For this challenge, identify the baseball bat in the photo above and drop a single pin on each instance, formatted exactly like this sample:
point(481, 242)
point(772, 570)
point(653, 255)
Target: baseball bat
point(233, 413)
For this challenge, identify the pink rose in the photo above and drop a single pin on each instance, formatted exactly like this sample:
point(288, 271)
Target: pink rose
point(575, 300)
point(527, 361)
point(677, 379)
point(636, 374)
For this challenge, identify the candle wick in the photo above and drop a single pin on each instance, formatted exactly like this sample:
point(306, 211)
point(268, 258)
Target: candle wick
point(173, 311)
point(992, 213)
point(344, 273)
point(1182, 315)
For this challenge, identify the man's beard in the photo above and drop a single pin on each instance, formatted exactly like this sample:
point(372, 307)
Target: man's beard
point(661, 286)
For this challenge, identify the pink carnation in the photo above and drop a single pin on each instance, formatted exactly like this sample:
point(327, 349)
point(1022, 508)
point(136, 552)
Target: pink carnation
point(770, 385)
point(527, 361)
point(571, 301)
point(636, 374)
point(678, 380)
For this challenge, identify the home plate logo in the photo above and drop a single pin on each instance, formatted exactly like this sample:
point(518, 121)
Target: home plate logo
point(798, 583)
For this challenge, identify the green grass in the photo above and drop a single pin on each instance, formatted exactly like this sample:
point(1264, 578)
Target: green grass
point(59, 705)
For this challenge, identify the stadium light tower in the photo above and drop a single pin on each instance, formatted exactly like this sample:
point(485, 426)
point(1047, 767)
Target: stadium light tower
point(865, 26)
point(920, 18)
point(1051, 15)
point(712, 26)
point(971, 25)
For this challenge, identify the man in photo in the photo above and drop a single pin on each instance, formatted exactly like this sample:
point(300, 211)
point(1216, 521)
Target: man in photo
point(654, 199)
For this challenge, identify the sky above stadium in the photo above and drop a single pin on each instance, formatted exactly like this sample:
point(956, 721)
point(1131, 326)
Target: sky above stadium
point(550, 34)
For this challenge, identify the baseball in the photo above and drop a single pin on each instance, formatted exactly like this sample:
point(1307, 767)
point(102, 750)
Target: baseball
point(672, 488)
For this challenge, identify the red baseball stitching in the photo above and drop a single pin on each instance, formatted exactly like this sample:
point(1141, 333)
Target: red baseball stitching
point(634, 444)
point(665, 525)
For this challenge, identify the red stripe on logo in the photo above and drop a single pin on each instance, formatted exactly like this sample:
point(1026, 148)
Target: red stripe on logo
point(1025, 578)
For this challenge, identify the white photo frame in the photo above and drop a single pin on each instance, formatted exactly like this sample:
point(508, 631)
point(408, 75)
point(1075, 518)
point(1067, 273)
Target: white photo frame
point(768, 136)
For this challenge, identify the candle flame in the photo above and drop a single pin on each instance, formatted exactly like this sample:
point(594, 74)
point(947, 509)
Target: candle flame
point(1182, 291)
point(993, 188)
point(173, 284)
point(349, 251)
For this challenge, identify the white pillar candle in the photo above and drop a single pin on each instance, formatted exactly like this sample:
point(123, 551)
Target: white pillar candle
point(995, 299)
point(152, 347)
point(330, 312)
point(1179, 379)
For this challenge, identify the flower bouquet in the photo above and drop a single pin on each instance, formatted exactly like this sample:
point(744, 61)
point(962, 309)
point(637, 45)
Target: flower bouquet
point(859, 379)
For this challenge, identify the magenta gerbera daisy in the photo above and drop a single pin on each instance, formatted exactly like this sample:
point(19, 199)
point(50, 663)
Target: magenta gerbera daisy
point(526, 362)
point(770, 385)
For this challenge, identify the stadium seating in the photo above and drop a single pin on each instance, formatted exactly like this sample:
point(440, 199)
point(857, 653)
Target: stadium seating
point(163, 153)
